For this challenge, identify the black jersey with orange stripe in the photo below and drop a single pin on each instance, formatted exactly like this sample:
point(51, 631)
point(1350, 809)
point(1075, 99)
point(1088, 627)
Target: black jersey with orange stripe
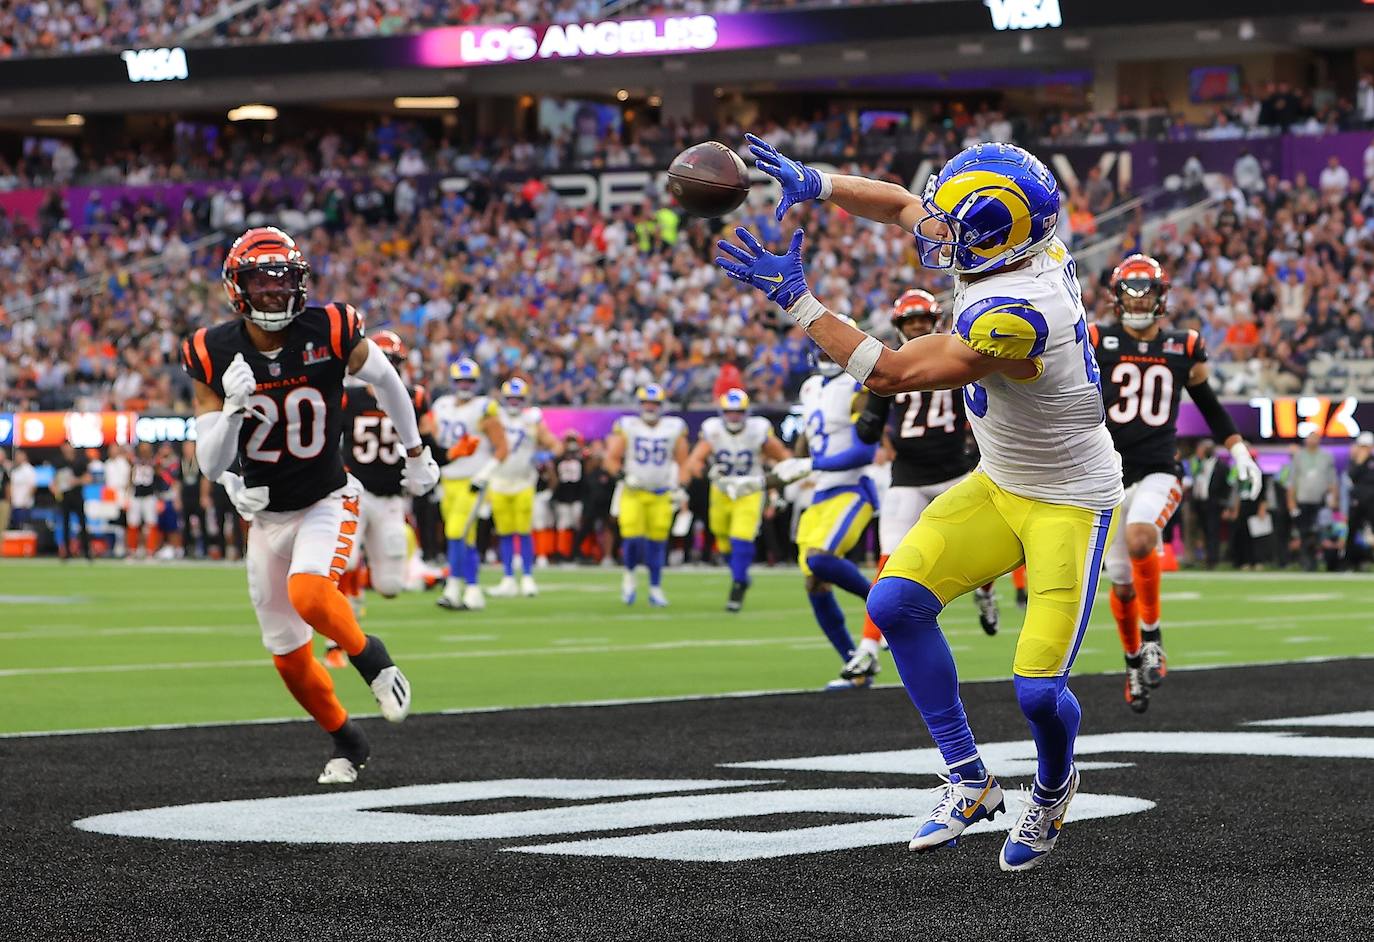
point(372, 448)
point(1142, 386)
point(290, 437)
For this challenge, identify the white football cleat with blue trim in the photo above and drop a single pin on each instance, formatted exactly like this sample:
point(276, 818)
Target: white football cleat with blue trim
point(656, 597)
point(961, 804)
point(1033, 836)
point(628, 589)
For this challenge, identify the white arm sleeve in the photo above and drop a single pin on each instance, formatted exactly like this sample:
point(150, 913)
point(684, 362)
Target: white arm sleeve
point(217, 442)
point(392, 394)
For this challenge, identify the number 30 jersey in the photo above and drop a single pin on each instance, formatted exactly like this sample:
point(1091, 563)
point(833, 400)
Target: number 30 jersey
point(1043, 438)
point(1142, 385)
point(292, 445)
point(649, 450)
point(737, 455)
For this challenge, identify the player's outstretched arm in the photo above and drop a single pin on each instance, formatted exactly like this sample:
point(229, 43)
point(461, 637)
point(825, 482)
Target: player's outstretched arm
point(370, 364)
point(696, 461)
point(1223, 427)
point(615, 453)
point(774, 450)
point(217, 430)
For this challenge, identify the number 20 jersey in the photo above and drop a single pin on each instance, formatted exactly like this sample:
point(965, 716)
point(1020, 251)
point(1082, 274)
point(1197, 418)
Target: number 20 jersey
point(295, 453)
point(1043, 438)
point(1142, 385)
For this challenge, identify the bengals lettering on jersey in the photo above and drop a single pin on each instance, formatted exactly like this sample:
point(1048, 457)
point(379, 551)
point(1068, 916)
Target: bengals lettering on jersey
point(295, 453)
point(1142, 386)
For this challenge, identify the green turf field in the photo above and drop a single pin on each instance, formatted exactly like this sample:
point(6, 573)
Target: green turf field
point(119, 644)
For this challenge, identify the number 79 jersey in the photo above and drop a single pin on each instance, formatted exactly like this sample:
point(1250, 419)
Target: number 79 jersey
point(289, 440)
point(1142, 385)
point(1043, 438)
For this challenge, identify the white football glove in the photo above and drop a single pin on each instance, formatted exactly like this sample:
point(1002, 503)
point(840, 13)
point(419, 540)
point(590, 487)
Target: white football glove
point(421, 473)
point(793, 469)
point(482, 477)
point(635, 482)
point(247, 501)
point(239, 385)
point(678, 497)
point(1248, 474)
point(743, 487)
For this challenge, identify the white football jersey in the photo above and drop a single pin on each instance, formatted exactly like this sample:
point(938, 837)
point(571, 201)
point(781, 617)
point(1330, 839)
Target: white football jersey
point(1042, 438)
point(737, 454)
point(827, 404)
point(518, 472)
point(453, 420)
point(649, 450)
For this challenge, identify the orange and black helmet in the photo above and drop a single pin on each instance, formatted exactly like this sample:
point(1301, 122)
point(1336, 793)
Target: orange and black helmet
point(392, 345)
point(1140, 291)
point(913, 304)
point(266, 277)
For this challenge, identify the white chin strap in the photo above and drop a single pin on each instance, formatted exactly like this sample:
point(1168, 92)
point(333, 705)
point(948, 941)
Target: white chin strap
point(273, 320)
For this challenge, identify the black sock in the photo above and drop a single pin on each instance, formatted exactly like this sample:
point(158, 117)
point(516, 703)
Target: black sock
point(1151, 636)
point(372, 659)
point(350, 743)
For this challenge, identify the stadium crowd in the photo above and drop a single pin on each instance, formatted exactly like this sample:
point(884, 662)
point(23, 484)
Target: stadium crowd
point(1278, 280)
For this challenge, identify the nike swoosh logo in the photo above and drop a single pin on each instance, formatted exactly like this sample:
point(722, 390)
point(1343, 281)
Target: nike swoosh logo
point(996, 336)
point(800, 175)
point(972, 809)
point(775, 279)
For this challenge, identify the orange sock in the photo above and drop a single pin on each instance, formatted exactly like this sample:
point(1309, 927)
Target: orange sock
point(1018, 577)
point(348, 583)
point(1127, 624)
point(312, 687)
point(871, 631)
point(565, 543)
point(1146, 578)
point(318, 600)
point(545, 543)
point(131, 535)
point(154, 540)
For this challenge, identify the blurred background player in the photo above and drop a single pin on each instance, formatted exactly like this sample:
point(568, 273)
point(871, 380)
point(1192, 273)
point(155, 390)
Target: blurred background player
point(513, 485)
point(650, 451)
point(1144, 368)
point(568, 487)
point(736, 444)
point(467, 428)
point(142, 506)
point(929, 436)
point(373, 454)
point(195, 534)
point(269, 390)
point(843, 502)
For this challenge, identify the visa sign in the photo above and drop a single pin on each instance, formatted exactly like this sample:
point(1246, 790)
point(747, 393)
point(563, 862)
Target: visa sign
point(155, 65)
point(1024, 14)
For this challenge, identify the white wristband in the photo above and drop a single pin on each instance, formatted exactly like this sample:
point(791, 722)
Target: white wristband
point(864, 358)
point(826, 187)
point(807, 310)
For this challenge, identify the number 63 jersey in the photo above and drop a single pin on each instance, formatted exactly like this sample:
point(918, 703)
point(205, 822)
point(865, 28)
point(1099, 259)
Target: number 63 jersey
point(1142, 383)
point(291, 444)
point(1043, 438)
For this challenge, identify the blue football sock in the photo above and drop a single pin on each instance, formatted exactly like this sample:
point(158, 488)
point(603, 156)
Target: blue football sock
point(527, 553)
point(472, 561)
point(906, 612)
point(633, 549)
point(455, 558)
point(1053, 714)
point(507, 551)
point(655, 552)
point(839, 572)
point(831, 619)
point(741, 558)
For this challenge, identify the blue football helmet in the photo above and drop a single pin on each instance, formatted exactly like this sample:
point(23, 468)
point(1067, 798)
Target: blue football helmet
point(990, 206)
point(734, 408)
point(515, 392)
point(465, 374)
point(651, 400)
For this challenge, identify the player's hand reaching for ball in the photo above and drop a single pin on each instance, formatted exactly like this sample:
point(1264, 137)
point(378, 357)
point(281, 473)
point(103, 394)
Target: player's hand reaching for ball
point(420, 474)
point(781, 278)
point(798, 181)
point(239, 385)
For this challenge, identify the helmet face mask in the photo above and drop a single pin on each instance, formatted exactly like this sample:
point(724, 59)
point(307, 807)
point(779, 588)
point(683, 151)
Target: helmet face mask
point(1140, 289)
point(466, 374)
point(514, 396)
point(734, 410)
point(651, 400)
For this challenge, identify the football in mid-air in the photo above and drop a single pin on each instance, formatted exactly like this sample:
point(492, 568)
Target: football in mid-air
point(708, 179)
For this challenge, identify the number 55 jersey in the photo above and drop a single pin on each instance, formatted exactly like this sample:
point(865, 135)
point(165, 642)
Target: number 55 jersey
point(290, 437)
point(1041, 438)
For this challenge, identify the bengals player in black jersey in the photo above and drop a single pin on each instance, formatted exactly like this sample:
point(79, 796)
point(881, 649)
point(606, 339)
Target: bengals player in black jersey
point(1144, 367)
point(929, 435)
point(269, 395)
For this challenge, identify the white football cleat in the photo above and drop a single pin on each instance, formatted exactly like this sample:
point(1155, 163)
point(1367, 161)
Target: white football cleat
point(961, 804)
point(392, 691)
point(505, 589)
point(473, 599)
point(527, 587)
point(338, 771)
point(1033, 836)
point(628, 588)
point(452, 597)
point(656, 597)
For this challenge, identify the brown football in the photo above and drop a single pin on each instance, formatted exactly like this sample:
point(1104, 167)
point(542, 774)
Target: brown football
point(708, 179)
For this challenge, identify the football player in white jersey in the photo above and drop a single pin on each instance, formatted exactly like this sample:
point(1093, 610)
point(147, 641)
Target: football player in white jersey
point(513, 485)
point(1049, 481)
point(650, 449)
point(467, 428)
point(844, 497)
point(737, 444)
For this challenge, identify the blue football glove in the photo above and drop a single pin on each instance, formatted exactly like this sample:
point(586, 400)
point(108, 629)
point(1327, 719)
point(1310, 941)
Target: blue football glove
point(799, 182)
point(781, 277)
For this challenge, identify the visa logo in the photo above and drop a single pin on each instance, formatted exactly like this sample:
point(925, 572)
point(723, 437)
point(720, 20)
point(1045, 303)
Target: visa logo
point(1024, 14)
point(155, 65)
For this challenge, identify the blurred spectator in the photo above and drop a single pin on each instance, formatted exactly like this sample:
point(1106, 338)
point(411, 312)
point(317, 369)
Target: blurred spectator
point(1312, 487)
